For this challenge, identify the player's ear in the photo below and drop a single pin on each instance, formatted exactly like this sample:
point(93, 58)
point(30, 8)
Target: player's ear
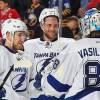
point(8, 35)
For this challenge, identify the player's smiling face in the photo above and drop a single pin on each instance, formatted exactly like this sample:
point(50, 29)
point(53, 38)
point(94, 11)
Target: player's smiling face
point(50, 28)
point(18, 40)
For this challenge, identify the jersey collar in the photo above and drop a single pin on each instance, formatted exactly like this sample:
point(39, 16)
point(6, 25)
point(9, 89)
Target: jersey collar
point(42, 39)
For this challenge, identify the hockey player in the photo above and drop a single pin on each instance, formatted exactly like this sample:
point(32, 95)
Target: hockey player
point(44, 49)
point(15, 65)
point(78, 71)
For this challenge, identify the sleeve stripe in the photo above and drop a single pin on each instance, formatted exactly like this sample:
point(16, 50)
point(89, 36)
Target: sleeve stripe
point(58, 86)
point(83, 93)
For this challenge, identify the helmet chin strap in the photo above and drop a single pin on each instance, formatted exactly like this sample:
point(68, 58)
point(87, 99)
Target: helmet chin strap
point(10, 42)
point(58, 34)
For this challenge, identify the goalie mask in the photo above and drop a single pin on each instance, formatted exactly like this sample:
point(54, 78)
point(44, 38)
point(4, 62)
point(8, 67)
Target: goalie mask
point(90, 22)
point(95, 22)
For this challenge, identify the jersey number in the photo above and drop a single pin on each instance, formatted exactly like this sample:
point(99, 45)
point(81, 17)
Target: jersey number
point(92, 73)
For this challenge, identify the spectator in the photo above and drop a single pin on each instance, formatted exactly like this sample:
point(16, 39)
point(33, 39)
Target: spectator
point(21, 6)
point(45, 3)
point(75, 5)
point(78, 7)
point(72, 24)
point(65, 4)
point(98, 6)
point(92, 4)
point(33, 17)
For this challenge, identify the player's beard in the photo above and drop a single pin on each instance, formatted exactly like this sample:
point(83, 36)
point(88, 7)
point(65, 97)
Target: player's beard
point(18, 47)
point(49, 37)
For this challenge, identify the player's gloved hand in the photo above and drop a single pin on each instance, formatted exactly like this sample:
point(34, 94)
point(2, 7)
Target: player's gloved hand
point(37, 83)
point(2, 93)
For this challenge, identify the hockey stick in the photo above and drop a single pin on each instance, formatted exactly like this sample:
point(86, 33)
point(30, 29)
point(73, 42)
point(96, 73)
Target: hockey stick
point(6, 77)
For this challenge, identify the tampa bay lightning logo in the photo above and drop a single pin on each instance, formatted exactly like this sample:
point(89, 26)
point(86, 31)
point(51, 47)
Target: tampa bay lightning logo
point(19, 82)
point(2, 93)
point(43, 63)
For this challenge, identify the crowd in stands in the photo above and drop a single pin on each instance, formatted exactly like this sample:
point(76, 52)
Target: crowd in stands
point(29, 11)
